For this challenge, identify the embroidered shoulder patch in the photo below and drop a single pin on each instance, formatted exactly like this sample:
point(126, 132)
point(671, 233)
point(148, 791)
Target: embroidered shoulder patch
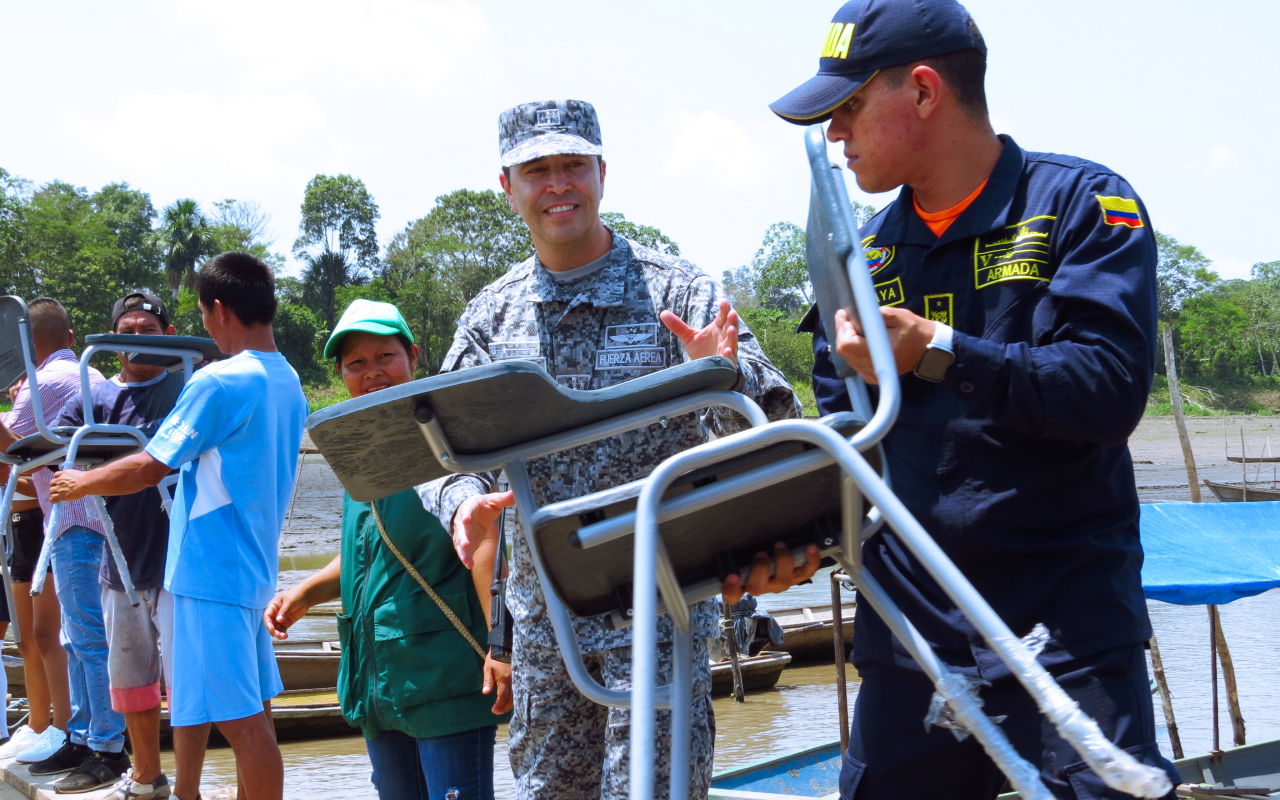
point(1017, 252)
point(1120, 211)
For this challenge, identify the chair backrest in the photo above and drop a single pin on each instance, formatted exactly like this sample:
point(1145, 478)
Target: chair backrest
point(129, 342)
point(376, 448)
point(12, 363)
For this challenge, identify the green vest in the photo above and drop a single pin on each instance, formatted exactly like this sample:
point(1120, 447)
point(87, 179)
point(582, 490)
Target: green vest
point(405, 667)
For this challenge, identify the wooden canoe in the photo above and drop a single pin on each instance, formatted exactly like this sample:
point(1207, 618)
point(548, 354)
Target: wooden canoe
point(815, 772)
point(809, 633)
point(297, 715)
point(1254, 459)
point(1235, 492)
point(758, 673)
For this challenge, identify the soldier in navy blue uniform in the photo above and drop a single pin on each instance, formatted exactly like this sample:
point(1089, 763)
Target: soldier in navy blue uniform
point(1018, 290)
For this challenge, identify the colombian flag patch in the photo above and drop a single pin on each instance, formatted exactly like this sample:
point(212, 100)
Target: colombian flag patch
point(1120, 211)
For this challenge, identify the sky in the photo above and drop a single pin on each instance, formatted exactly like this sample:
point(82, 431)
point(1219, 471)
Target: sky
point(248, 99)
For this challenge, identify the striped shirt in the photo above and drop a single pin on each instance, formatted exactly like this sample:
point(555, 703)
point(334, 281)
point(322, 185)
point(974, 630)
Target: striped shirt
point(59, 379)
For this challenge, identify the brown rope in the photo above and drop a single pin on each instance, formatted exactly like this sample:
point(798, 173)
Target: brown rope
point(426, 587)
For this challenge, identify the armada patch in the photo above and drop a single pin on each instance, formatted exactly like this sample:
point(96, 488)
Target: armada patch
point(618, 336)
point(632, 358)
point(1016, 252)
point(878, 257)
point(889, 293)
point(1120, 211)
point(940, 308)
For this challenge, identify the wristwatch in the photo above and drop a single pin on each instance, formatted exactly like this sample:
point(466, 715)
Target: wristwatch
point(934, 362)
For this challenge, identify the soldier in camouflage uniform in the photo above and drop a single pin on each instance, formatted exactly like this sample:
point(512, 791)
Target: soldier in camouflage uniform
point(595, 310)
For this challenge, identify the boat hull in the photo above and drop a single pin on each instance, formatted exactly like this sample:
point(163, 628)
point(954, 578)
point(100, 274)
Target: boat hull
point(1235, 493)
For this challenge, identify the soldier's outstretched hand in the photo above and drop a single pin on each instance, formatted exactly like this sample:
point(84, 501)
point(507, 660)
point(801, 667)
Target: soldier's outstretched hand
point(476, 520)
point(719, 338)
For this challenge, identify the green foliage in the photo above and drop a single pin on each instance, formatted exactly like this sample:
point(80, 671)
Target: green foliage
point(789, 351)
point(338, 215)
point(326, 390)
point(69, 252)
point(375, 290)
point(185, 237)
point(435, 265)
point(644, 234)
point(300, 335)
point(185, 314)
point(130, 215)
point(242, 225)
point(1182, 272)
point(323, 276)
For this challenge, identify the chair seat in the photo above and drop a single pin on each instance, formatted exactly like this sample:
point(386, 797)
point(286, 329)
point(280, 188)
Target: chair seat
point(376, 448)
point(703, 544)
point(94, 450)
point(206, 347)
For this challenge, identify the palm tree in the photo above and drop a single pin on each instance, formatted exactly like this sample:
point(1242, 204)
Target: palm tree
point(185, 236)
point(321, 278)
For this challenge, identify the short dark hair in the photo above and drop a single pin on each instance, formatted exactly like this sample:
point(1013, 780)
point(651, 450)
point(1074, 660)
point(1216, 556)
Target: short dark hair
point(50, 322)
point(965, 71)
point(242, 283)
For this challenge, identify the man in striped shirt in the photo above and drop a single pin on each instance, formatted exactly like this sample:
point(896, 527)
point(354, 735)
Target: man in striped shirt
point(92, 750)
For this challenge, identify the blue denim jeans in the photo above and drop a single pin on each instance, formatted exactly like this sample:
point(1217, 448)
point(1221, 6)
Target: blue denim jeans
point(77, 556)
point(454, 767)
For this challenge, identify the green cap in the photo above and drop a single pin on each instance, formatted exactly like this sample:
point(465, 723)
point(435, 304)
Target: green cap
point(369, 316)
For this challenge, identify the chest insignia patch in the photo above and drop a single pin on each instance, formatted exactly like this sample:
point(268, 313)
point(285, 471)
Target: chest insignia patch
point(1017, 252)
point(940, 308)
point(619, 336)
point(528, 351)
point(878, 258)
point(632, 358)
point(1120, 211)
point(890, 292)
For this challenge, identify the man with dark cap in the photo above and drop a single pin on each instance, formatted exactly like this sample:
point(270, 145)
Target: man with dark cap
point(142, 397)
point(1018, 289)
point(595, 310)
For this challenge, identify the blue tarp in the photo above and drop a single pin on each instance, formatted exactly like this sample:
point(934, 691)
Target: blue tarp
point(1210, 553)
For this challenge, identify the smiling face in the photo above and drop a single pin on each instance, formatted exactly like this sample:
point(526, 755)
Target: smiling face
point(369, 362)
point(558, 197)
point(881, 127)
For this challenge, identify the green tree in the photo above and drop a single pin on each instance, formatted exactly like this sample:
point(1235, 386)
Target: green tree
point(644, 234)
point(185, 238)
point(1182, 272)
point(338, 215)
point(435, 265)
point(14, 195)
point(243, 225)
point(299, 335)
point(130, 215)
point(322, 277)
point(69, 251)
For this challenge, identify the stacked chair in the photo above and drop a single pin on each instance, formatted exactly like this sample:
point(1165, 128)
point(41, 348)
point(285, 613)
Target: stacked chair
point(90, 445)
point(661, 544)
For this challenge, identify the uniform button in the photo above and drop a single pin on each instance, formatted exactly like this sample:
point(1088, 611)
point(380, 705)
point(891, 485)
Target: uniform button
point(966, 386)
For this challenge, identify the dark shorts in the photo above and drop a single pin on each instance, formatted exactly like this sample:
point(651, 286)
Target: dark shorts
point(28, 536)
point(890, 756)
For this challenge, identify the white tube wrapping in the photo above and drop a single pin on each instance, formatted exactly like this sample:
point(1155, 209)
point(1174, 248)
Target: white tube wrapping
point(966, 711)
point(1118, 769)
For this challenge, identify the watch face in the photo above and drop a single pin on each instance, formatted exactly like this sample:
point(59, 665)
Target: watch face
point(934, 363)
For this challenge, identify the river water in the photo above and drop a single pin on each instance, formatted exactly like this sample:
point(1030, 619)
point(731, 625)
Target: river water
point(801, 711)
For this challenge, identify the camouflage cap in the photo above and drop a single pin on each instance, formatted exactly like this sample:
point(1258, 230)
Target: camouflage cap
point(548, 128)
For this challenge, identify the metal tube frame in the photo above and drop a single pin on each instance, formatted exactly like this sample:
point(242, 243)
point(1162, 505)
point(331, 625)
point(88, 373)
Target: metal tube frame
point(84, 435)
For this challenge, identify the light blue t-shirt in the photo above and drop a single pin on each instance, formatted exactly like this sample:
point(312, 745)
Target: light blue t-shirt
point(235, 431)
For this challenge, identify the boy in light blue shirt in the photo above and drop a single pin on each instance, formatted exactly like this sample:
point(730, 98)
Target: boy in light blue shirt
point(235, 433)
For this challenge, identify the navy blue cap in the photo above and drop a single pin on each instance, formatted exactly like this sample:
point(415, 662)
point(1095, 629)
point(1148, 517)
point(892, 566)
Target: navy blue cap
point(866, 36)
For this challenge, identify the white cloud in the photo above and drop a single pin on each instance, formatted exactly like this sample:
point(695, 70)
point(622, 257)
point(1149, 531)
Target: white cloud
point(192, 136)
point(1218, 159)
point(1229, 268)
point(707, 146)
point(423, 44)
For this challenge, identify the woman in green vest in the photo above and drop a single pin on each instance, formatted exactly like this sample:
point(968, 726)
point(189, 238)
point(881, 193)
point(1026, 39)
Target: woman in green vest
point(426, 695)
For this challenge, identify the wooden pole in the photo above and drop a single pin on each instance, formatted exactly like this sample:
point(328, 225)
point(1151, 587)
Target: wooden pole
point(1175, 399)
point(842, 686)
point(1244, 469)
point(739, 693)
point(1229, 678)
point(1166, 698)
point(1213, 672)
